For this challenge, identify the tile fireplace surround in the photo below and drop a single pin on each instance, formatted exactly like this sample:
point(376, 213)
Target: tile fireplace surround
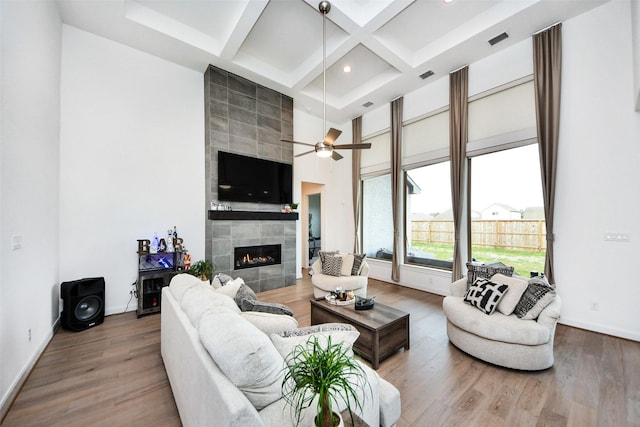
point(246, 118)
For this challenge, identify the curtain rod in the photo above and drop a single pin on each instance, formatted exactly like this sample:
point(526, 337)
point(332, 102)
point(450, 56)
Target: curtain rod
point(547, 27)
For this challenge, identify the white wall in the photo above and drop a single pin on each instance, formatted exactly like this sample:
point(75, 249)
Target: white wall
point(598, 175)
point(30, 132)
point(597, 169)
point(635, 46)
point(131, 159)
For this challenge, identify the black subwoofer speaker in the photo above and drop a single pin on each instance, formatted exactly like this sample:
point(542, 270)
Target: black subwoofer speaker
point(83, 303)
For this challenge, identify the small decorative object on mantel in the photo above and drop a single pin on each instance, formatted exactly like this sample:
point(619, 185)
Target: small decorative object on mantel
point(294, 206)
point(169, 241)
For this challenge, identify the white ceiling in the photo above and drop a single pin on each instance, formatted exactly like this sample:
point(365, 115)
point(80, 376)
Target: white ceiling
point(278, 43)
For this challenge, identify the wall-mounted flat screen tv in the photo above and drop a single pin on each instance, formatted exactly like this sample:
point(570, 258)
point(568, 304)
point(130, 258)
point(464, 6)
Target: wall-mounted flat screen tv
point(248, 179)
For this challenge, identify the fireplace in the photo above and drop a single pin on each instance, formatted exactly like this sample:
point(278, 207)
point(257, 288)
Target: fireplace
point(256, 256)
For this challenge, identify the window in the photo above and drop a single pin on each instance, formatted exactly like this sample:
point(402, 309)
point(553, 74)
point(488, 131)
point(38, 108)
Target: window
point(507, 215)
point(429, 222)
point(377, 223)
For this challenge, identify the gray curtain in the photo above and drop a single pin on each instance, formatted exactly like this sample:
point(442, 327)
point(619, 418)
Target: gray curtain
point(547, 66)
point(458, 113)
point(396, 184)
point(356, 127)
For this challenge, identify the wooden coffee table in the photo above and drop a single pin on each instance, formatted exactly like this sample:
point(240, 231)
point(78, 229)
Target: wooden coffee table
point(383, 329)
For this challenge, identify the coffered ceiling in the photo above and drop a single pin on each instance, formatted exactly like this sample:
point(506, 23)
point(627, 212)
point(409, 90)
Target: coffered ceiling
point(278, 43)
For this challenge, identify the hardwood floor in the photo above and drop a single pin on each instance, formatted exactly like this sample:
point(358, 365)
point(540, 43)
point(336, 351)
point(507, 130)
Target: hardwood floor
point(113, 375)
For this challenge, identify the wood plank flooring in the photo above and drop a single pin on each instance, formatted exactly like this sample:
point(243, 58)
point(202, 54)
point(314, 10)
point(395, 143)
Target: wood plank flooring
point(112, 375)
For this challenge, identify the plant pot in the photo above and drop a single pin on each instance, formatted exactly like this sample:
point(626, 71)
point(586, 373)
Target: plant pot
point(337, 420)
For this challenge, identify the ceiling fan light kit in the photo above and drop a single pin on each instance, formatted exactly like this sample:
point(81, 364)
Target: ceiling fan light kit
point(325, 148)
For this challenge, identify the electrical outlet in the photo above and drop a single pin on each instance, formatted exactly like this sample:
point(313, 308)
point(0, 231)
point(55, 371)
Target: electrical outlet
point(29, 334)
point(595, 306)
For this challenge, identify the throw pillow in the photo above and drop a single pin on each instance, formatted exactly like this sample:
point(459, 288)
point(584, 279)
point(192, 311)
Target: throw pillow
point(215, 283)
point(487, 271)
point(324, 254)
point(245, 355)
point(540, 305)
point(347, 264)
point(485, 295)
point(265, 307)
point(244, 292)
point(231, 287)
point(270, 323)
point(332, 266)
point(343, 333)
point(537, 289)
point(357, 264)
point(517, 287)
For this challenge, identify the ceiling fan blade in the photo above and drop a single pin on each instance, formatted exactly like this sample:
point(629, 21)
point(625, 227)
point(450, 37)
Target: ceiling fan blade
point(297, 142)
point(305, 153)
point(352, 146)
point(332, 135)
point(336, 156)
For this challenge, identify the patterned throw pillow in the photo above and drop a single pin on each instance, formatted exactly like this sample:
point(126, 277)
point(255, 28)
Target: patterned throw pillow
point(486, 270)
point(332, 265)
point(324, 254)
point(342, 333)
point(485, 295)
point(357, 264)
point(265, 307)
point(538, 291)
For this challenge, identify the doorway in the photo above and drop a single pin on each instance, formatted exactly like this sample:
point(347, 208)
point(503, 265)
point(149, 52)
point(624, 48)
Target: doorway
point(311, 222)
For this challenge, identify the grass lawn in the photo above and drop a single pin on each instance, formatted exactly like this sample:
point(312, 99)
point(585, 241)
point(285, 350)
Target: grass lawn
point(523, 261)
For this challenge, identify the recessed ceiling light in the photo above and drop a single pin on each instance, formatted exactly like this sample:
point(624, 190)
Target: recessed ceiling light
point(347, 68)
point(447, 1)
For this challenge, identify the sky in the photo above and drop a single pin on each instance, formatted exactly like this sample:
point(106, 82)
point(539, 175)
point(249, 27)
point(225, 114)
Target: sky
point(511, 177)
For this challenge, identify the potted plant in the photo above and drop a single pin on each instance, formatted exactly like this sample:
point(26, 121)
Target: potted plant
point(327, 371)
point(203, 269)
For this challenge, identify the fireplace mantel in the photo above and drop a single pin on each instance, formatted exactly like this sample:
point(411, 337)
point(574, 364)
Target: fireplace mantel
point(252, 215)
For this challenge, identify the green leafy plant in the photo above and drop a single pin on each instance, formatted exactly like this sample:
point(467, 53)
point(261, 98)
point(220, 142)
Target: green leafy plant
point(327, 371)
point(203, 269)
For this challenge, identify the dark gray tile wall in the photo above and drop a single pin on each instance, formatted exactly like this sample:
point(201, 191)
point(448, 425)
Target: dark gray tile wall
point(246, 118)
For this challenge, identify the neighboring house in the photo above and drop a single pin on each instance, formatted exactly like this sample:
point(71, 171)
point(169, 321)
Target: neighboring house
point(500, 211)
point(533, 212)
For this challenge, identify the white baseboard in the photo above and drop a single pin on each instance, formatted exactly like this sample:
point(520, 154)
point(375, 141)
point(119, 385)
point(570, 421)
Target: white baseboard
point(14, 389)
point(595, 327)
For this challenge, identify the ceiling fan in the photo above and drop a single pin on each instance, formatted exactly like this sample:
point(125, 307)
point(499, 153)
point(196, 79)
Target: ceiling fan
point(326, 147)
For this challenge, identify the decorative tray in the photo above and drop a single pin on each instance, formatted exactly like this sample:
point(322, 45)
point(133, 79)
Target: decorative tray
point(331, 299)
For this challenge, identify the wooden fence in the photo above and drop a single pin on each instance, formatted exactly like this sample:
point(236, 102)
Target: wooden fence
point(507, 234)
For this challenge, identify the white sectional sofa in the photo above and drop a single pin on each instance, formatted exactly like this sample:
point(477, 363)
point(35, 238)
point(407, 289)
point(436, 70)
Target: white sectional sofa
point(223, 367)
point(504, 340)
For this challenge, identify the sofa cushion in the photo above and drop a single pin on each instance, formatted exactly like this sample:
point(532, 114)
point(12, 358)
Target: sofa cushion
point(181, 283)
point(270, 323)
point(200, 299)
point(497, 327)
point(332, 266)
point(343, 333)
point(486, 270)
point(245, 355)
point(265, 307)
point(485, 295)
point(509, 300)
